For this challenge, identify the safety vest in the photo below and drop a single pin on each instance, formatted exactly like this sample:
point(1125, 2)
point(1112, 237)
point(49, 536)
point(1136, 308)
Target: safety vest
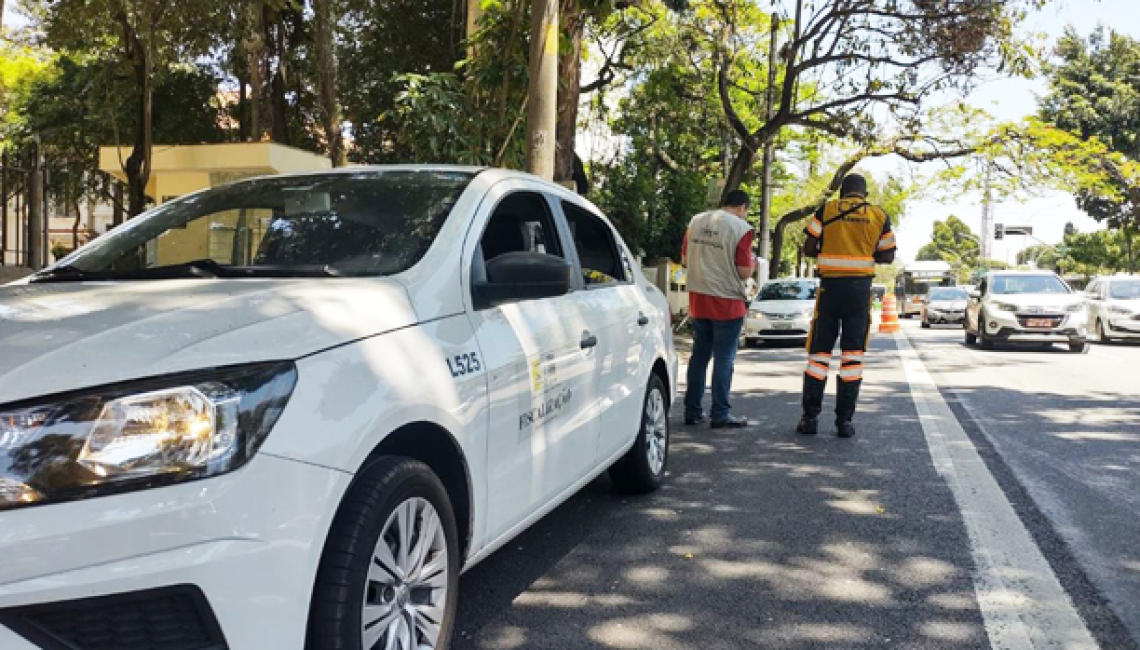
point(851, 232)
point(713, 238)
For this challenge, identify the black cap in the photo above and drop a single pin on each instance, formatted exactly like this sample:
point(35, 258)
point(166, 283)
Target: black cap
point(853, 184)
point(735, 199)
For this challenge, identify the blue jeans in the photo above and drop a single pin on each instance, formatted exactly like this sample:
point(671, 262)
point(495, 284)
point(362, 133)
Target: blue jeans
point(714, 340)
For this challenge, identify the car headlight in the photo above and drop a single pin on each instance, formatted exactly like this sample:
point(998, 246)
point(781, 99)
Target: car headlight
point(752, 313)
point(807, 312)
point(1005, 306)
point(1116, 309)
point(140, 435)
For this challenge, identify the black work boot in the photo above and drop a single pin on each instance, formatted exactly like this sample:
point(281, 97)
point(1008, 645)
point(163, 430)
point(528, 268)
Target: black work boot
point(808, 426)
point(847, 397)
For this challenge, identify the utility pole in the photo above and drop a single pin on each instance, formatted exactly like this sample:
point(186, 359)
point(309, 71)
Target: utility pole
point(987, 220)
point(769, 147)
point(542, 107)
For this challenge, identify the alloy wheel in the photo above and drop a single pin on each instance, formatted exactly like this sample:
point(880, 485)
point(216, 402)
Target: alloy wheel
point(656, 430)
point(407, 587)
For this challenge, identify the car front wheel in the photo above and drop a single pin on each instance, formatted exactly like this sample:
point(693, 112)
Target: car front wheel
point(389, 572)
point(1101, 335)
point(643, 467)
point(1080, 346)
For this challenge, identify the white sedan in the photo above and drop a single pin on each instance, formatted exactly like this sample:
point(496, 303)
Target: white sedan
point(1026, 306)
point(298, 407)
point(782, 310)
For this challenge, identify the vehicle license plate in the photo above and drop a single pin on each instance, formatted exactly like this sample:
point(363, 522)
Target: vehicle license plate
point(1039, 322)
point(782, 326)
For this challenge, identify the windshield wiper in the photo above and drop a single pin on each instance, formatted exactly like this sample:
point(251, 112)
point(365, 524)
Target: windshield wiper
point(66, 273)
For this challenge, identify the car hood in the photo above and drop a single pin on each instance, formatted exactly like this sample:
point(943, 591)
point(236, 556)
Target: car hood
point(781, 306)
point(948, 304)
point(60, 337)
point(1045, 301)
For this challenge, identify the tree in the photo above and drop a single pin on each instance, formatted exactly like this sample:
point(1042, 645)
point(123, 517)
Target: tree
point(1042, 256)
point(146, 37)
point(856, 55)
point(953, 242)
point(325, 15)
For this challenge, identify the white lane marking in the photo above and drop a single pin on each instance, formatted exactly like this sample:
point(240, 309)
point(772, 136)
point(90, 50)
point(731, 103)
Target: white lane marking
point(1022, 602)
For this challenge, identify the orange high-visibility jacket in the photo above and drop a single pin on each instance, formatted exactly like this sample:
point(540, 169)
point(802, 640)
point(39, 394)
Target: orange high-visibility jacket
point(850, 231)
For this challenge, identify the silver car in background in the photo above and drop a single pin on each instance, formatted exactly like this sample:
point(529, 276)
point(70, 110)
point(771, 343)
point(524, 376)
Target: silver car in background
point(781, 311)
point(1114, 308)
point(944, 305)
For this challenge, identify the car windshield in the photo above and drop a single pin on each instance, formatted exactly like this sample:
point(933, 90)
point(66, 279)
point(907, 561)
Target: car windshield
point(1008, 284)
point(365, 223)
point(1124, 289)
point(788, 291)
point(952, 293)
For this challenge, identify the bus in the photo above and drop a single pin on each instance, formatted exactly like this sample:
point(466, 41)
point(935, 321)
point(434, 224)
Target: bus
point(916, 279)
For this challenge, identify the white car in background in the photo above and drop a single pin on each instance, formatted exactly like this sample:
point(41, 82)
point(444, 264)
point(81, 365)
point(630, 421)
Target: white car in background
point(287, 412)
point(944, 306)
point(781, 311)
point(1026, 306)
point(1114, 308)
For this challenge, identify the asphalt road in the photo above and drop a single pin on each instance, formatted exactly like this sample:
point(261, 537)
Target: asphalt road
point(761, 538)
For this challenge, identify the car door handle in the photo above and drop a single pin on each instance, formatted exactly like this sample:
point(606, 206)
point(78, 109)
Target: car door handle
point(588, 340)
point(642, 320)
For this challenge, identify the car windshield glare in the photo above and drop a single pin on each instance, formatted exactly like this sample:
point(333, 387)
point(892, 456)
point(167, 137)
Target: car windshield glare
point(1011, 284)
point(1124, 290)
point(947, 294)
point(788, 291)
point(362, 223)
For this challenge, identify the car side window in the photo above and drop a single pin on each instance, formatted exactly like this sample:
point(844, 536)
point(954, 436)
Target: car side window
point(521, 222)
point(598, 252)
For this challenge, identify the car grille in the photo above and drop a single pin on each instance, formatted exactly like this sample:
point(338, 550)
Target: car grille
point(171, 618)
point(780, 317)
point(783, 333)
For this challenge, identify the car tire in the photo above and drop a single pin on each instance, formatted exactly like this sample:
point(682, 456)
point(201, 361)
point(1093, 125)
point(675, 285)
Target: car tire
point(1079, 346)
point(388, 493)
point(642, 469)
point(751, 343)
point(925, 324)
point(984, 340)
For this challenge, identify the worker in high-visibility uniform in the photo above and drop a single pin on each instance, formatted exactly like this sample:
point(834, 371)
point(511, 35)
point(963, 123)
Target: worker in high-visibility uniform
point(847, 237)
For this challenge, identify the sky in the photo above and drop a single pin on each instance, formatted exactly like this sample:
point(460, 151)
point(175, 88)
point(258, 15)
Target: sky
point(1012, 99)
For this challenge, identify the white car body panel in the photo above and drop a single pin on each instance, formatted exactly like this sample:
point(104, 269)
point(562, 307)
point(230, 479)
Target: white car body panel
point(1072, 325)
point(1105, 310)
point(372, 355)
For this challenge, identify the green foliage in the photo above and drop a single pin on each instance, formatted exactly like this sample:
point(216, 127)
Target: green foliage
point(378, 41)
point(1096, 253)
point(1042, 256)
point(953, 242)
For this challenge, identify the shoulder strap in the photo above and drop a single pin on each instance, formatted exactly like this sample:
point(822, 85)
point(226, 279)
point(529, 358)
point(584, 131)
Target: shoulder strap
point(846, 212)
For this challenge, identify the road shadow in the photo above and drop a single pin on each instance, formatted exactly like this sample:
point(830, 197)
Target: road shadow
point(759, 538)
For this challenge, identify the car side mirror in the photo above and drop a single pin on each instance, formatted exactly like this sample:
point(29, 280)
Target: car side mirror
point(518, 276)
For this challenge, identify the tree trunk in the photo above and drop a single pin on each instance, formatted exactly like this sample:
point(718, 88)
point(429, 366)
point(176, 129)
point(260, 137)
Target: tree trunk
point(569, 91)
point(75, 224)
point(116, 204)
point(474, 15)
point(738, 172)
point(137, 166)
point(324, 19)
point(255, 62)
point(243, 108)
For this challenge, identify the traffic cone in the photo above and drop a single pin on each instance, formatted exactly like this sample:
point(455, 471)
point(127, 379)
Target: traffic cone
point(890, 321)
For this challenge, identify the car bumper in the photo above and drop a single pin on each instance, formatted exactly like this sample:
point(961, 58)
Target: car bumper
point(249, 541)
point(1123, 327)
point(1012, 327)
point(765, 329)
point(933, 316)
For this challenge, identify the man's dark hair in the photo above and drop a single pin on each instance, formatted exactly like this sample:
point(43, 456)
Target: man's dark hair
point(735, 199)
point(854, 184)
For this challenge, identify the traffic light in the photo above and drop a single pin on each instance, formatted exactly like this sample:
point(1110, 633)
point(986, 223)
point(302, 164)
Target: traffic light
point(999, 231)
